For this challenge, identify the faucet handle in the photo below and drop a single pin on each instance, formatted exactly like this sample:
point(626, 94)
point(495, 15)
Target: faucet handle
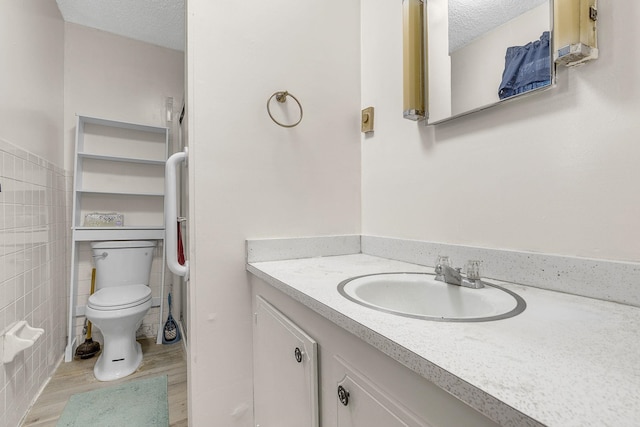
point(443, 260)
point(473, 269)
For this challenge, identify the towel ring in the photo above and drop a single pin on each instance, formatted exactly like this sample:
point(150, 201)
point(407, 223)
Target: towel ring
point(281, 97)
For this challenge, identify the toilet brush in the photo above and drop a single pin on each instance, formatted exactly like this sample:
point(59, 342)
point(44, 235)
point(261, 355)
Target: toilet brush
point(171, 333)
point(89, 347)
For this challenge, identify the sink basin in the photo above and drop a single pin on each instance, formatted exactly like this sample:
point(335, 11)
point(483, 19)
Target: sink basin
point(419, 295)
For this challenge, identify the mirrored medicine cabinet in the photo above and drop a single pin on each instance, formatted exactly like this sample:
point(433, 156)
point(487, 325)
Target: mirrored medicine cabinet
point(485, 52)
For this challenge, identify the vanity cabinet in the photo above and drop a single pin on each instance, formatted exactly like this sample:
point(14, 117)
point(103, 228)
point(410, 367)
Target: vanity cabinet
point(362, 403)
point(358, 386)
point(285, 371)
point(119, 167)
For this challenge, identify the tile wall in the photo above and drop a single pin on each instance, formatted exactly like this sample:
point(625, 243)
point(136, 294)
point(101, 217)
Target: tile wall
point(34, 259)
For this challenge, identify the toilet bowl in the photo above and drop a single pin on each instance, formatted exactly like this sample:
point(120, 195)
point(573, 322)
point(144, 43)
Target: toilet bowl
point(120, 303)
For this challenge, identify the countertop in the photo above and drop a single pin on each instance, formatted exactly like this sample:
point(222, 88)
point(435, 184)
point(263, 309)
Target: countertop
point(565, 361)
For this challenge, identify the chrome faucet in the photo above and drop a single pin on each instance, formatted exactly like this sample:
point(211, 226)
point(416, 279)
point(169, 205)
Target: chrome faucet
point(447, 274)
point(453, 276)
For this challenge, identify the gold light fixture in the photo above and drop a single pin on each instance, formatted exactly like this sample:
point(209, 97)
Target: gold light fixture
point(414, 40)
point(574, 36)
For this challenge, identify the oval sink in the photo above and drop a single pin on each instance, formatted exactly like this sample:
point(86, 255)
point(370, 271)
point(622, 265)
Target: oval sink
point(418, 295)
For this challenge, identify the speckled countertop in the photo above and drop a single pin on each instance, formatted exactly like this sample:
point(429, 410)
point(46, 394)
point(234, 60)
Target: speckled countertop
point(565, 361)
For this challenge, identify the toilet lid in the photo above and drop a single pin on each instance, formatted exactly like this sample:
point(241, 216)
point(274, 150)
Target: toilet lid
point(119, 297)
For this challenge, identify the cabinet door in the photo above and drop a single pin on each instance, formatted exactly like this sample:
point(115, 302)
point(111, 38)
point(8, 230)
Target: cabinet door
point(285, 371)
point(361, 403)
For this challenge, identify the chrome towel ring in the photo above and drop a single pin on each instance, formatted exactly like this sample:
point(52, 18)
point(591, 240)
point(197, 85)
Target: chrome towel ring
point(281, 97)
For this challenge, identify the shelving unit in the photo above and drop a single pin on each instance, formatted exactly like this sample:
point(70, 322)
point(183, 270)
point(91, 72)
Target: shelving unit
point(119, 167)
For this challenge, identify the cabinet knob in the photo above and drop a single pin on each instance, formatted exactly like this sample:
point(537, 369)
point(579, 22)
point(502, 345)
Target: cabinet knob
point(343, 395)
point(298, 353)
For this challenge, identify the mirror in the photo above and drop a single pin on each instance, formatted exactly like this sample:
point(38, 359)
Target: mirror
point(483, 52)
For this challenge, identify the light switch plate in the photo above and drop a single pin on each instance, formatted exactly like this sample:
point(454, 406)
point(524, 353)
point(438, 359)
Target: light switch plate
point(366, 123)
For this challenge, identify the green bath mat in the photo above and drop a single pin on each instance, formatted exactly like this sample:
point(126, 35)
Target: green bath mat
point(136, 403)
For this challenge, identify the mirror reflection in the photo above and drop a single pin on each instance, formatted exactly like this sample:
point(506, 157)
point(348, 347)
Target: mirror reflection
point(482, 52)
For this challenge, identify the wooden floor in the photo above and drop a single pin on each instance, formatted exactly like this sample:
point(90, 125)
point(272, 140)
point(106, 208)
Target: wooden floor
point(77, 377)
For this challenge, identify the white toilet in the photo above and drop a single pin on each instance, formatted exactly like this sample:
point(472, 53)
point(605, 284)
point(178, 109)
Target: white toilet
point(120, 302)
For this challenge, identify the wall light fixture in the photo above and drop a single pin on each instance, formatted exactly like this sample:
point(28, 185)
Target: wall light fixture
point(575, 37)
point(414, 64)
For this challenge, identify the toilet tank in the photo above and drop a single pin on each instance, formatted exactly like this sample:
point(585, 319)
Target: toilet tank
point(122, 262)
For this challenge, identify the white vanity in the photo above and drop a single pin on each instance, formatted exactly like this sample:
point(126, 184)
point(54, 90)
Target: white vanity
point(566, 360)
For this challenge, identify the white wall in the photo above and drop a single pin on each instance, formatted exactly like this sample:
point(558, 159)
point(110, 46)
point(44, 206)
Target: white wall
point(31, 84)
point(118, 78)
point(33, 220)
point(250, 178)
point(555, 173)
point(115, 77)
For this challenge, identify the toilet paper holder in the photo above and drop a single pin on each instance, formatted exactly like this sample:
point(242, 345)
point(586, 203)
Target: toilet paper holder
point(18, 338)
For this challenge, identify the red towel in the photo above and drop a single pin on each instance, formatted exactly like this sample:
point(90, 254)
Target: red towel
point(180, 247)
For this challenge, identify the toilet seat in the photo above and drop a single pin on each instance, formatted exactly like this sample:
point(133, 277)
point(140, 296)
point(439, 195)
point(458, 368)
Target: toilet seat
point(119, 297)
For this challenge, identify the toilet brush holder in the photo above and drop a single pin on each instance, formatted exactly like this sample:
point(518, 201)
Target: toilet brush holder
point(18, 338)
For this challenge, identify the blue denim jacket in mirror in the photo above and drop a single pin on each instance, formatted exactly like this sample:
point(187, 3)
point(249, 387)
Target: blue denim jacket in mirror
point(526, 67)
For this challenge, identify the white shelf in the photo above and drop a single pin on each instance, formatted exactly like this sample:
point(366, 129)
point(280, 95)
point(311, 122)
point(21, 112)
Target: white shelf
point(121, 193)
point(87, 234)
point(121, 159)
point(126, 228)
point(118, 165)
point(123, 125)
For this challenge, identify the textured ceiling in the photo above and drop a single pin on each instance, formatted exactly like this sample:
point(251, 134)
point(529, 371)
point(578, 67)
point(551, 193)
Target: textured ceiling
point(469, 19)
point(159, 22)
point(162, 22)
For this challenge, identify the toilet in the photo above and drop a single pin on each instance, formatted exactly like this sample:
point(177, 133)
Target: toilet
point(119, 303)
